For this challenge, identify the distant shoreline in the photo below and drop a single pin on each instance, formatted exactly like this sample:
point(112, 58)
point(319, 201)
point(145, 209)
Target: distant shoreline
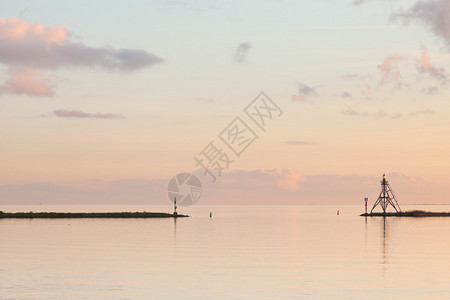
point(412, 214)
point(82, 215)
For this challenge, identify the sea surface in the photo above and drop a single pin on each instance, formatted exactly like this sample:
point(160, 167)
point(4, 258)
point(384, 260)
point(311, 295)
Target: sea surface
point(242, 252)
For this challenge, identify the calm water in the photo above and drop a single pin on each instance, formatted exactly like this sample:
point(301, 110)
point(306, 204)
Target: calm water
point(243, 252)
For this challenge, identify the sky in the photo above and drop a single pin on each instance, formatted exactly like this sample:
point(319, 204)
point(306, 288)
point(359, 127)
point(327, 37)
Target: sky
point(104, 102)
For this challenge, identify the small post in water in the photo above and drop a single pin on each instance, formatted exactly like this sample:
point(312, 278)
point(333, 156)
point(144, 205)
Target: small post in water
point(175, 206)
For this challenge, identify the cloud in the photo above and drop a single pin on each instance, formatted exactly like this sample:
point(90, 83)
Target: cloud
point(300, 143)
point(246, 187)
point(304, 92)
point(26, 81)
point(298, 98)
point(424, 66)
point(38, 46)
point(422, 112)
point(346, 95)
point(64, 113)
point(351, 112)
point(107, 192)
point(242, 52)
point(275, 179)
point(389, 64)
point(378, 115)
point(287, 179)
point(433, 13)
point(390, 71)
point(365, 88)
point(382, 114)
point(432, 90)
point(358, 2)
point(392, 68)
point(35, 47)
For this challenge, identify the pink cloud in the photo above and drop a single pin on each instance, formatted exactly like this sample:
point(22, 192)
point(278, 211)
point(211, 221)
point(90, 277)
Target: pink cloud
point(365, 88)
point(390, 71)
point(26, 82)
point(14, 29)
point(425, 66)
point(64, 113)
point(286, 179)
point(422, 112)
point(378, 115)
point(279, 179)
point(298, 98)
point(389, 63)
point(238, 187)
point(36, 47)
point(382, 114)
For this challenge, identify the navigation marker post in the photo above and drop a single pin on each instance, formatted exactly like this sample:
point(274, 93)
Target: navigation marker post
point(175, 206)
point(386, 197)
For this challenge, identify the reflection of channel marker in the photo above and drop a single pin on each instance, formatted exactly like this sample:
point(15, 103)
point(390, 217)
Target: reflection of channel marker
point(186, 188)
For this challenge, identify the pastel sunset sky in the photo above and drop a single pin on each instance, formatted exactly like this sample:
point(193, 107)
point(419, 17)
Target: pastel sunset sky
point(103, 102)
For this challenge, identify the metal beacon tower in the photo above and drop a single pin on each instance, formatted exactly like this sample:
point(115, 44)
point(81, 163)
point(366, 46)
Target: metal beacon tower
point(386, 197)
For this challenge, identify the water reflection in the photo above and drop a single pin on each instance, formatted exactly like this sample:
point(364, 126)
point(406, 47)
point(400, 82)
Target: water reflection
point(385, 254)
point(384, 241)
point(175, 230)
point(381, 227)
point(273, 252)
